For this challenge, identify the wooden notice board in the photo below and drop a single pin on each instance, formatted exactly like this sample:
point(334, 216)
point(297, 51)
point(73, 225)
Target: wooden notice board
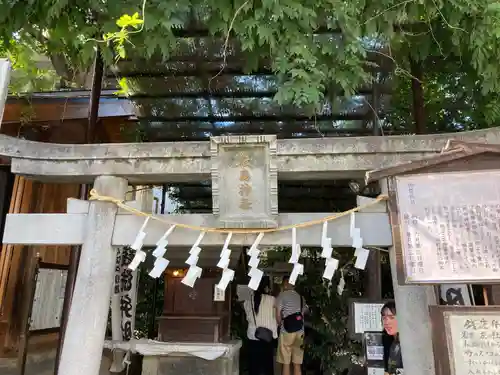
point(466, 340)
point(447, 227)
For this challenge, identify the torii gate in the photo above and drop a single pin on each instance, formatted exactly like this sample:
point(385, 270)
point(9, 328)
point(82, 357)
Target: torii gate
point(99, 227)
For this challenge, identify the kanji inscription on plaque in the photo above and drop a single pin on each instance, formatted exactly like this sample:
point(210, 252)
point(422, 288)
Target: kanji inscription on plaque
point(473, 343)
point(450, 227)
point(245, 181)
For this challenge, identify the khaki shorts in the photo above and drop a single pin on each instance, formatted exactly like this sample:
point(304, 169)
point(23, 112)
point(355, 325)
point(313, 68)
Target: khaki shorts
point(290, 348)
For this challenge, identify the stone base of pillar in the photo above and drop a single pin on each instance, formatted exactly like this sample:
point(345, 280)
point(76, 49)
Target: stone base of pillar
point(43, 361)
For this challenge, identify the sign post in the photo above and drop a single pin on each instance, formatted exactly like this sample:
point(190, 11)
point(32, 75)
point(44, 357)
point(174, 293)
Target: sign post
point(373, 343)
point(4, 84)
point(443, 212)
point(365, 325)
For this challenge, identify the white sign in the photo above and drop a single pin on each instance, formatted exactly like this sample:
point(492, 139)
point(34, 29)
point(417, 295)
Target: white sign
point(449, 226)
point(375, 353)
point(473, 343)
point(4, 84)
point(375, 371)
point(219, 294)
point(367, 317)
point(455, 294)
point(49, 299)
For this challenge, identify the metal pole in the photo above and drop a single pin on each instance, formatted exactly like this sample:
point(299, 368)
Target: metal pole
point(95, 96)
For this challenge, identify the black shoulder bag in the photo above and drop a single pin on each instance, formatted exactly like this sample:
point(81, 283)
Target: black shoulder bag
point(294, 322)
point(261, 333)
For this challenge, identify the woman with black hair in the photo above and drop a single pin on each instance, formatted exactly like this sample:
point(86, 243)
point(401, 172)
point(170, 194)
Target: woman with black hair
point(392, 348)
point(262, 330)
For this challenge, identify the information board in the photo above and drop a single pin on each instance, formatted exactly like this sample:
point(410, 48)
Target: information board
point(450, 232)
point(466, 340)
point(367, 317)
point(374, 346)
point(473, 343)
point(364, 316)
point(49, 298)
point(375, 370)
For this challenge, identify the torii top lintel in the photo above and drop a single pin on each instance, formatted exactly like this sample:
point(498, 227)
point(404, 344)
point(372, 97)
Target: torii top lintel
point(295, 159)
point(453, 150)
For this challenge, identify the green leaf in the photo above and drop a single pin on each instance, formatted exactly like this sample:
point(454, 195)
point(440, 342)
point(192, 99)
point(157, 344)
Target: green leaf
point(133, 21)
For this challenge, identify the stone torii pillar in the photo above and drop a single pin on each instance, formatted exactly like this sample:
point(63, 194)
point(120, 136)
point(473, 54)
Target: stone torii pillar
point(88, 315)
point(414, 323)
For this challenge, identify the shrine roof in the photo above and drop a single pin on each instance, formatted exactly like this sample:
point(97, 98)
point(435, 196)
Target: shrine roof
point(200, 93)
point(453, 150)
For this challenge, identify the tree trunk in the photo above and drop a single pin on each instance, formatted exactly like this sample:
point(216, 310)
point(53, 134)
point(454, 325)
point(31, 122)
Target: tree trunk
point(417, 89)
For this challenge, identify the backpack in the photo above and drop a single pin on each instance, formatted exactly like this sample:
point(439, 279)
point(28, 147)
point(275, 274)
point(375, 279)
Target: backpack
point(294, 322)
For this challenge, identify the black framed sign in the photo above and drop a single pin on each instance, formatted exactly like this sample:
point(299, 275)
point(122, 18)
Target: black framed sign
point(364, 316)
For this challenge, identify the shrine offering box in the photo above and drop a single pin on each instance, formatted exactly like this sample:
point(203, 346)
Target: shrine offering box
point(191, 314)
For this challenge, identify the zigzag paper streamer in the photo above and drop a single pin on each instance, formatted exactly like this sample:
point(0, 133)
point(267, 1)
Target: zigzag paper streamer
point(331, 263)
point(225, 258)
point(140, 255)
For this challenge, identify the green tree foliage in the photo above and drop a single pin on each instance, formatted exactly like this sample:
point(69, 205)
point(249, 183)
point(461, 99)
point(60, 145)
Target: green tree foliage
point(453, 101)
point(287, 34)
point(29, 73)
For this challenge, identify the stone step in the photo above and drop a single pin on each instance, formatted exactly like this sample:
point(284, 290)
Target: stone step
point(41, 363)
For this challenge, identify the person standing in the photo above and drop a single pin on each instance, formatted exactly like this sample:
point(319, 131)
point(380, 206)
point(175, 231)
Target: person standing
point(290, 309)
point(262, 330)
point(392, 355)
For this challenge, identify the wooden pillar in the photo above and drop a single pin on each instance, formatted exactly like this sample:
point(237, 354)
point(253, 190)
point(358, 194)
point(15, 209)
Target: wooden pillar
point(415, 329)
point(84, 337)
point(494, 294)
point(373, 285)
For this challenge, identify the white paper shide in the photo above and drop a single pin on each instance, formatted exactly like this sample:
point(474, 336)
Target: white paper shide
point(331, 264)
point(227, 273)
point(255, 273)
point(194, 272)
